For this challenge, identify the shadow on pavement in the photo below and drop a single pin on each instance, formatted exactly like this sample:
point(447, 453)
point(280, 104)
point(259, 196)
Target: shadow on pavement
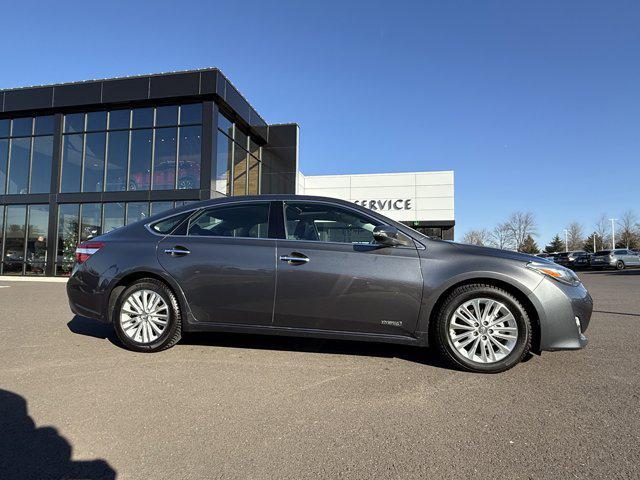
point(91, 328)
point(28, 452)
point(612, 272)
point(313, 345)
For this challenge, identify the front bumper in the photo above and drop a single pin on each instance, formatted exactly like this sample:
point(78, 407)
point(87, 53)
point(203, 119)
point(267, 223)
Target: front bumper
point(560, 309)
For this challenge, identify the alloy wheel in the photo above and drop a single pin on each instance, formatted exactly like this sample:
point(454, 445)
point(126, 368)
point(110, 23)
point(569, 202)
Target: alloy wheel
point(483, 330)
point(144, 316)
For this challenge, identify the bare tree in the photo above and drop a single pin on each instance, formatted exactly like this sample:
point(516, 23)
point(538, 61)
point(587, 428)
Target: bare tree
point(602, 232)
point(499, 237)
point(519, 226)
point(575, 236)
point(629, 229)
point(476, 237)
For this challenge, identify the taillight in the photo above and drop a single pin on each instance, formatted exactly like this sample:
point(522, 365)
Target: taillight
point(86, 249)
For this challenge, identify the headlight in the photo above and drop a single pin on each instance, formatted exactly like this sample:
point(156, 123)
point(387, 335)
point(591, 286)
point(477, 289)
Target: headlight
point(561, 274)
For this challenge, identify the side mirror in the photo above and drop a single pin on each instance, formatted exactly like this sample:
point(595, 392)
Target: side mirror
point(387, 235)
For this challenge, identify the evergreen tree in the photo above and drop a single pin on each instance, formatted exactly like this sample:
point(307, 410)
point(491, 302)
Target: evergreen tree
point(556, 245)
point(588, 243)
point(529, 245)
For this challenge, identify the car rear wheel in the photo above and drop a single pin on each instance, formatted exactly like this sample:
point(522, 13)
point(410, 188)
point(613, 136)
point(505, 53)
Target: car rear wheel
point(620, 265)
point(482, 328)
point(147, 316)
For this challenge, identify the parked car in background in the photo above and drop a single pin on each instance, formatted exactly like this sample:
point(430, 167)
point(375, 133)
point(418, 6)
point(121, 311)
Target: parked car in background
point(619, 259)
point(325, 268)
point(549, 256)
point(583, 262)
point(568, 259)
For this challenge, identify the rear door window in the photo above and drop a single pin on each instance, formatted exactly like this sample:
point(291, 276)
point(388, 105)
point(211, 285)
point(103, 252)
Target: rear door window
point(246, 220)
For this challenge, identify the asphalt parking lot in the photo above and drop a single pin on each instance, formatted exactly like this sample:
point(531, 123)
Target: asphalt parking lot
point(73, 404)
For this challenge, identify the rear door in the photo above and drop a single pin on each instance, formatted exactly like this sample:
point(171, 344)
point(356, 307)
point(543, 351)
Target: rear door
point(332, 277)
point(225, 264)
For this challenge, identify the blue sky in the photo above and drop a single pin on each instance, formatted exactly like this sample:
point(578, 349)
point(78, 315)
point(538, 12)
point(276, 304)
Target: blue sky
point(535, 105)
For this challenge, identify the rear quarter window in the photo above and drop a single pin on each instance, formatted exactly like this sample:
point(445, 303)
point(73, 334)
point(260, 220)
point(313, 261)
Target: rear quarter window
point(168, 225)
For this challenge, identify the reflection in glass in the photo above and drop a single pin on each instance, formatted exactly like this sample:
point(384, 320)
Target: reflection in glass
point(96, 121)
point(113, 216)
point(71, 163)
point(37, 239)
point(4, 128)
point(137, 211)
point(254, 176)
point(117, 155)
point(189, 160)
point(94, 161)
point(158, 207)
point(225, 124)
point(41, 164)
point(44, 125)
point(239, 170)
point(4, 162)
point(68, 223)
point(74, 123)
point(22, 127)
point(240, 137)
point(223, 163)
point(142, 117)
point(140, 165)
point(90, 221)
point(164, 166)
point(191, 114)
point(14, 237)
point(19, 165)
point(119, 119)
point(167, 116)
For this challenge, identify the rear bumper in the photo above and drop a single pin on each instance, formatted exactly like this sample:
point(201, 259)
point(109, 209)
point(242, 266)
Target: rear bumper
point(564, 313)
point(83, 300)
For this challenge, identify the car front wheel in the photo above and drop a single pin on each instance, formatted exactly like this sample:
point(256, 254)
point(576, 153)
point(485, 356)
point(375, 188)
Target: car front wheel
point(147, 317)
point(620, 265)
point(483, 328)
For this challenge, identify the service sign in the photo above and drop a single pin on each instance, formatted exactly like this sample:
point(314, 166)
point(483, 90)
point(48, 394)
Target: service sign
point(386, 205)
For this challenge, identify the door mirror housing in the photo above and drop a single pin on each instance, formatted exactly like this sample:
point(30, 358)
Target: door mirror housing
point(387, 236)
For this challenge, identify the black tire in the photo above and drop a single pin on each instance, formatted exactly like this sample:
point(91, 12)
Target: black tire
point(173, 331)
point(620, 265)
point(468, 292)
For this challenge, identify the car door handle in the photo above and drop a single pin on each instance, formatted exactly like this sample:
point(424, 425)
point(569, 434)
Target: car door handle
point(294, 258)
point(177, 251)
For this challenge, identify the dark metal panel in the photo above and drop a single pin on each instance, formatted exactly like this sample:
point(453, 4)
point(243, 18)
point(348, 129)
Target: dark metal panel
point(78, 94)
point(176, 85)
point(207, 176)
point(208, 82)
point(1, 101)
point(56, 165)
point(23, 199)
point(237, 103)
point(125, 89)
point(28, 99)
point(221, 85)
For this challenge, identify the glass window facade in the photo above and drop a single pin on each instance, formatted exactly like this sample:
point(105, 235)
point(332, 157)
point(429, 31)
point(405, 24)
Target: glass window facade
point(23, 239)
point(238, 167)
point(140, 149)
point(26, 155)
point(86, 173)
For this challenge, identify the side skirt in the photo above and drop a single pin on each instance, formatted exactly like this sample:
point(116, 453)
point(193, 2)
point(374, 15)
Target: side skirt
point(303, 332)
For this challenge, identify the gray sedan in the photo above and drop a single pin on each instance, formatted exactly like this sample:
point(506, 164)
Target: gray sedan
point(320, 267)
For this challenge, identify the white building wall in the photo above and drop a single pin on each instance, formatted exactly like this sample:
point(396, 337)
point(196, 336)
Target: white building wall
point(420, 196)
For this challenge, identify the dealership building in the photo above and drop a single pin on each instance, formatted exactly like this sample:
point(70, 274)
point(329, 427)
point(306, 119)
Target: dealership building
point(80, 159)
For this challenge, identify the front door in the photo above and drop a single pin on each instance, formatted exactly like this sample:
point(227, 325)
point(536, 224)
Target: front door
point(225, 264)
point(331, 276)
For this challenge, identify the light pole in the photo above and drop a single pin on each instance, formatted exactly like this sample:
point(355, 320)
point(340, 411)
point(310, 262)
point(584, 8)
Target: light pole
point(594, 242)
point(566, 240)
point(613, 233)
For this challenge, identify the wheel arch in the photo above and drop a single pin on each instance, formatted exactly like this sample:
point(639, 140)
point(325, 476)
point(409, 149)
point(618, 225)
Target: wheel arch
point(127, 279)
point(518, 293)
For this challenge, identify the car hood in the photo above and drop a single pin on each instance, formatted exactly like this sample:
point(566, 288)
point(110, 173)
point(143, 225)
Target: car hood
point(496, 252)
